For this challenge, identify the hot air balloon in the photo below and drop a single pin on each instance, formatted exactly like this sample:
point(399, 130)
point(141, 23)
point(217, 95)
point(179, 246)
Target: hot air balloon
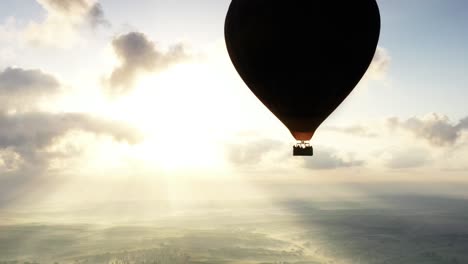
point(302, 58)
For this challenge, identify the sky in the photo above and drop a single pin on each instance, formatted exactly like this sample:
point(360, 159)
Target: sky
point(140, 99)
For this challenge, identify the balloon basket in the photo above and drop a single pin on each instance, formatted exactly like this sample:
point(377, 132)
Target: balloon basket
point(303, 148)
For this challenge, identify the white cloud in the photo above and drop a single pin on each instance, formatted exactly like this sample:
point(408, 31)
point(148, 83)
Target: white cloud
point(354, 130)
point(28, 136)
point(252, 152)
point(65, 6)
point(407, 158)
point(379, 66)
point(328, 159)
point(435, 128)
point(64, 19)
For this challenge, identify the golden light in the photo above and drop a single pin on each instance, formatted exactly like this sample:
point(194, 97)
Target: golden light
point(188, 114)
point(181, 121)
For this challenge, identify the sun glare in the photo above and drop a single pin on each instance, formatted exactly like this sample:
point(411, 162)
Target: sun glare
point(188, 114)
point(174, 112)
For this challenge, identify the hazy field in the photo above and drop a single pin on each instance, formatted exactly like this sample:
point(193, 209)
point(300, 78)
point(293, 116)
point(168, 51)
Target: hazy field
point(404, 229)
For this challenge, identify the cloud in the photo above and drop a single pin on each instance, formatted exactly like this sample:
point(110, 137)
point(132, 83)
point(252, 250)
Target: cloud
point(379, 66)
point(273, 152)
point(355, 130)
point(409, 158)
point(96, 16)
point(251, 153)
point(20, 88)
point(138, 54)
point(435, 128)
point(34, 145)
point(26, 137)
point(63, 21)
point(40, 129)
point(65, 6)
point(327, 159)
point(463, 124)
point(15, 81)
point(76, 11)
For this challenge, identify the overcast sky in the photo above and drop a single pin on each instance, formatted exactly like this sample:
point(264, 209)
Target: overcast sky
point(98, 94)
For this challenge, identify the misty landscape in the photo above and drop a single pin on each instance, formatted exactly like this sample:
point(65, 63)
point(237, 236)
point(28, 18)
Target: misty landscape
point(170, 132)
point(381, 229)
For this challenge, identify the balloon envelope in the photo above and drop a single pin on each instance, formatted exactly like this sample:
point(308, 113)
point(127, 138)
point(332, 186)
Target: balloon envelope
point(302, 58)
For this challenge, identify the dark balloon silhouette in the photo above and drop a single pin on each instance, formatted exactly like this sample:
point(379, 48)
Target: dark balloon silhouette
point(302, 58)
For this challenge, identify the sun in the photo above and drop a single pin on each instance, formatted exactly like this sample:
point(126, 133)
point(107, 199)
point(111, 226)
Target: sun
point(174, 111)
point(188, 115)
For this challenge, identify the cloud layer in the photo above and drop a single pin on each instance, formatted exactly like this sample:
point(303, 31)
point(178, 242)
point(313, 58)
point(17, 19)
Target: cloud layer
point(21, 89)
point(27, 133)
point(355, 130)
point(408, 158)
point(17, 81)
point(437, 129)
point(138, 54)
point(251, 153)
point(27, 136)
point(328, 159)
